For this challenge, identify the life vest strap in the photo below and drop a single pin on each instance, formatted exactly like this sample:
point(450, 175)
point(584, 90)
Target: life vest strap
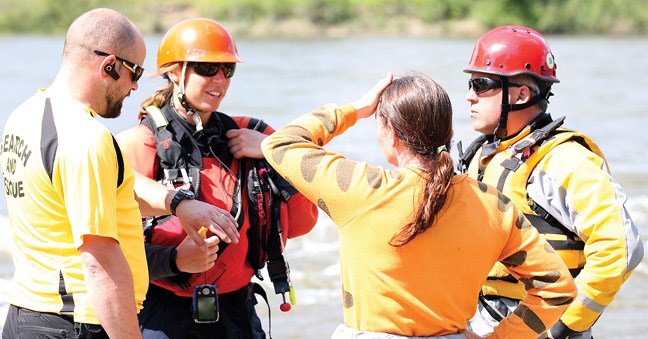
point(490, 309)
point(279, 272)
point(469, 154)
point(157, 117)
point(255, 288)
point(538, 135)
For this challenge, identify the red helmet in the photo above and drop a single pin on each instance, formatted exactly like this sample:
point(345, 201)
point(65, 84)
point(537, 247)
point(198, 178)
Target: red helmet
point(513, 50)
point(201, 40)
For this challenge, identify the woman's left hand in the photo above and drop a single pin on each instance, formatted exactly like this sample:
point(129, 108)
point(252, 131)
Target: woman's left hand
point(245, 143)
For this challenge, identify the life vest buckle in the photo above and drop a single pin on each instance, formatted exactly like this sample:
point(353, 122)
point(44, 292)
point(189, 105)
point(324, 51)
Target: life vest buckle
point(279, 273)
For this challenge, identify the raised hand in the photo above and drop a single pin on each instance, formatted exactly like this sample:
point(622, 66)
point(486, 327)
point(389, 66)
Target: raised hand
point(366, 105)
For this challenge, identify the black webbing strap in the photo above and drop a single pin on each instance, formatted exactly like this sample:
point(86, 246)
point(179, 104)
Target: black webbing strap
point(493, 312)
point(466, 157)
point(258, 289)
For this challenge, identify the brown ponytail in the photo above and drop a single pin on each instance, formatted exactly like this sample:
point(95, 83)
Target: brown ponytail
point(162, 95)
point(420, 112)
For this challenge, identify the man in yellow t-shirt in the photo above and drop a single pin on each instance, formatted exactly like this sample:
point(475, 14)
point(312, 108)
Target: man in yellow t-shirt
point(79, 249)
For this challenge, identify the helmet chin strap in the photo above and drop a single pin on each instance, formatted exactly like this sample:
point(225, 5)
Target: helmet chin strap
point(501, 131)
point(183, 100)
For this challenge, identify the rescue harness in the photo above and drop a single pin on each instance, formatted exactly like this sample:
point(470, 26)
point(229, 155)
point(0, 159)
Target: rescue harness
point(180, 166)
point(516, 170)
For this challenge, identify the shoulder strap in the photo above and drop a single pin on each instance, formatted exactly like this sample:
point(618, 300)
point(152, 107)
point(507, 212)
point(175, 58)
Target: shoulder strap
point(172, 159)
point(168, 149)
point(228, 121)
point(538, 135)
point(521, 150)
point(466, 157)
point(256, 125)
point(157, 118)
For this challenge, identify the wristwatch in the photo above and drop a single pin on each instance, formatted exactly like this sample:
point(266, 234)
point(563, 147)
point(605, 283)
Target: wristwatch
point(180, 195)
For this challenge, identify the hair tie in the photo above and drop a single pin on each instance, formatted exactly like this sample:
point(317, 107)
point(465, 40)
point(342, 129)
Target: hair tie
point(441, 148)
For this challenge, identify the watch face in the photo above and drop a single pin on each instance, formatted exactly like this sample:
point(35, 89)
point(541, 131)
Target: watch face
point(187, 194)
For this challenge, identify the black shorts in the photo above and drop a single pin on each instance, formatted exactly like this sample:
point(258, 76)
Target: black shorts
point(168, 316)
point(25, 324)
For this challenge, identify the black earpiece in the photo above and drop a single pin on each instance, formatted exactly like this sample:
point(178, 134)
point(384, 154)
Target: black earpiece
point(110, 70)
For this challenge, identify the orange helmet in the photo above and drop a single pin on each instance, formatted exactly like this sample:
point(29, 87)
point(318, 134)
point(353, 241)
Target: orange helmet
point(200, 40)
point(513, 50)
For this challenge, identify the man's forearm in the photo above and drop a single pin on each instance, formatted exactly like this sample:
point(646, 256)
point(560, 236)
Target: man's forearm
point(110, 286)
point(153, 197)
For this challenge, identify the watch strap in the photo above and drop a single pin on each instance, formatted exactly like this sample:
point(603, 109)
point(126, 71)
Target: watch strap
point(180, 195)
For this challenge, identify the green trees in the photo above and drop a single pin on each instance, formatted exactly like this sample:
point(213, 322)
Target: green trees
point(549, 16)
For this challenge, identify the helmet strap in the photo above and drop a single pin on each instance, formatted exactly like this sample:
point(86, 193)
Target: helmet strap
point(500, 131)
point(181, 95)
point(183, 99)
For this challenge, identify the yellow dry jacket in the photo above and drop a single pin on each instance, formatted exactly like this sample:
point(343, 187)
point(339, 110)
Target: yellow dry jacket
point(560, 180)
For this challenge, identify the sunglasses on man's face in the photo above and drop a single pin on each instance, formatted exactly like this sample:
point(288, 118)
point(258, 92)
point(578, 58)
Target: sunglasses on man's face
point(481, 85)
point(209, 69)
point(135, 69)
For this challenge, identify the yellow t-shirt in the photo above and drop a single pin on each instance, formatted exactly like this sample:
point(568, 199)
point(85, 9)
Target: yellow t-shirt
point(61, 184)
point(428, 287)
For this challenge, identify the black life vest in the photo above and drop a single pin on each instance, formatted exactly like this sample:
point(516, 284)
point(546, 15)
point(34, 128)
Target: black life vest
point(180, 164)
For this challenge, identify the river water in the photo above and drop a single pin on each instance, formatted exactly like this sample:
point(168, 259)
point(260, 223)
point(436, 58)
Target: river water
point(280, 79)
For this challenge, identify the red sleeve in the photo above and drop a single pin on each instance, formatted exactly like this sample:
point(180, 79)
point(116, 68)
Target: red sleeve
point(298, 216)
point(138, 145)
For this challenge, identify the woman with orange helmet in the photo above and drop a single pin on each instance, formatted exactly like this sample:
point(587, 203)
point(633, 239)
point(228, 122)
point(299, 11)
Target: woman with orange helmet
point(184, 142)
point(579, 208)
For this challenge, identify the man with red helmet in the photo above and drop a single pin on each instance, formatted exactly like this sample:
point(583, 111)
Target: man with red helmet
point(183, 142)
point(579, 208)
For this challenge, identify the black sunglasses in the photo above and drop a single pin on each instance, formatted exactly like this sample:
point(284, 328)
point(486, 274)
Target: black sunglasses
point(481, 85)
point(209, 69)
point(136, 69)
